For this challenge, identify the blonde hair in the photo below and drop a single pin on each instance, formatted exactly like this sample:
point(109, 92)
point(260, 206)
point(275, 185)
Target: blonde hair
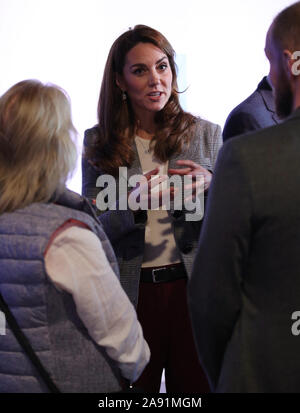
point(37, 151)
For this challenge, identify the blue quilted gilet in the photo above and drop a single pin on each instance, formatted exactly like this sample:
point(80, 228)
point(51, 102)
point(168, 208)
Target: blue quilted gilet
point(47, 317)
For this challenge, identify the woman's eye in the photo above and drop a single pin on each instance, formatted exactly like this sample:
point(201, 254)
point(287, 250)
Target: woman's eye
point(163, 66)
point(138, 71)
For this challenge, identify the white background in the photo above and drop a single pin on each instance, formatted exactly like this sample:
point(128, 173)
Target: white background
point(219, 44)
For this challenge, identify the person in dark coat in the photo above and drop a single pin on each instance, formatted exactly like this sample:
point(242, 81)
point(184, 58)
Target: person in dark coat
point(255, 112)
point(244, 291)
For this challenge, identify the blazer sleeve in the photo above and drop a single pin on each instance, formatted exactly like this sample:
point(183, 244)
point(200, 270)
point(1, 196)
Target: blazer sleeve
point(116, 223)
point(214, 290)
point(239, 124)
point(216, 144)
point(206, 145)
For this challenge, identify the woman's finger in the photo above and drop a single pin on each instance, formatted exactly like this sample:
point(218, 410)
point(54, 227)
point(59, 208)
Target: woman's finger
point(184, 171)
point(149, 174)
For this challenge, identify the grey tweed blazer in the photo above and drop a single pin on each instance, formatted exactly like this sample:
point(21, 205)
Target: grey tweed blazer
point(127, 234)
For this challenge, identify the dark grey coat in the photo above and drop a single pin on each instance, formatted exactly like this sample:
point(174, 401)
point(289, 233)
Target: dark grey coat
point(245, 283)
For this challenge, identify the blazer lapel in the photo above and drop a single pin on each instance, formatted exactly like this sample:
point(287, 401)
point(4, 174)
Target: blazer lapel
point(136, 167)
point(266, 93)
point(270, 104)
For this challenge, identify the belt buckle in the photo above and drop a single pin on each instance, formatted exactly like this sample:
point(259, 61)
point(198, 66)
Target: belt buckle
point(154, 275)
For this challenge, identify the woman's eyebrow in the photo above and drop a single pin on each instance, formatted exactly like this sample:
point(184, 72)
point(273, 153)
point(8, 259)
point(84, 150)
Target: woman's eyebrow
point(144, 65)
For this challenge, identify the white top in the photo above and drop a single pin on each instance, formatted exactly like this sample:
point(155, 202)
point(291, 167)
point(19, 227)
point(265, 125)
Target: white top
point(160, 245)
point(76, 263)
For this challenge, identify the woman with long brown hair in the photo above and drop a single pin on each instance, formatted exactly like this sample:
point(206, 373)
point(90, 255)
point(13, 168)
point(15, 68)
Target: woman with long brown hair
point(143, 130)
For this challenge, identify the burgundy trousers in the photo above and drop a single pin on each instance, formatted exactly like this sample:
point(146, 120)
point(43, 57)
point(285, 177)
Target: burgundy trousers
point(163, 313)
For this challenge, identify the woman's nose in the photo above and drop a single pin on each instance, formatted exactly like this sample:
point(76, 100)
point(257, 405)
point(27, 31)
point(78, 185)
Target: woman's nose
point(153, 78)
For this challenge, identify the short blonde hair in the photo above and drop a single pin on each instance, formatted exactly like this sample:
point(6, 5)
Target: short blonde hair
point(37, 148)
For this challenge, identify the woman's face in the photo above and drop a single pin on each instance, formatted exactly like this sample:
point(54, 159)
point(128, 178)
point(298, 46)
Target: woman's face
point(147, 78)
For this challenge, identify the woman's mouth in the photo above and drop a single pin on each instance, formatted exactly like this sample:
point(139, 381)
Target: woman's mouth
point(154, 96)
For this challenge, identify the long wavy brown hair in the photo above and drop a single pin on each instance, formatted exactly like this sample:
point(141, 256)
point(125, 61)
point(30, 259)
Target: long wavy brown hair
point(116, 121)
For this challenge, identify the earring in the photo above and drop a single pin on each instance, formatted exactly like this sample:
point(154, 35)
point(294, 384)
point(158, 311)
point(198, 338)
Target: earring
point(124, 96)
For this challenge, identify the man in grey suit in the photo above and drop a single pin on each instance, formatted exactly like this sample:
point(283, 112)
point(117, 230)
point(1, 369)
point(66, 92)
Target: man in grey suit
point(255, 112)
point(244, 292)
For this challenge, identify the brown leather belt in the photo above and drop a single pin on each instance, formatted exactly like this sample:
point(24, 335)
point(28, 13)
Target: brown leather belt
point(162, 274)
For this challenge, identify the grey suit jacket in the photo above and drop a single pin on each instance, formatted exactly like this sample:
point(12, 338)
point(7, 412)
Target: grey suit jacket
point(245, 282)
point(127, 235)
point(256, 112)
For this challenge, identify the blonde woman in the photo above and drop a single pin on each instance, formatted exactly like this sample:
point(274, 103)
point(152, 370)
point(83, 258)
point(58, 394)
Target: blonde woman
point(58, 273)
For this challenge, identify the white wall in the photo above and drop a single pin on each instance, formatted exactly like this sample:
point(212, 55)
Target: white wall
point(220, 45)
